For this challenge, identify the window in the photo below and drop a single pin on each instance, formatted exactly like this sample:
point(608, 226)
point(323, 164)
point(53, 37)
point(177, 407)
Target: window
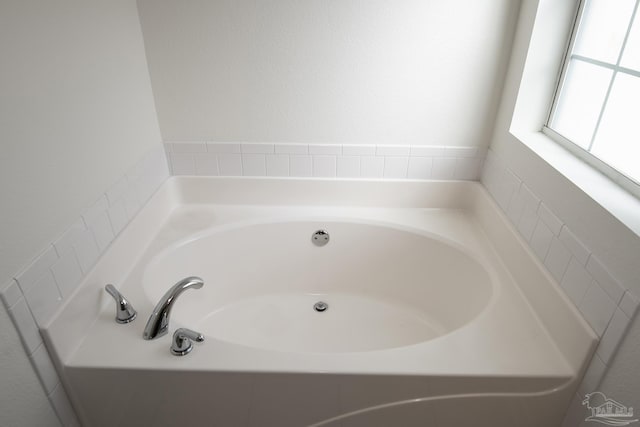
point(596, 111)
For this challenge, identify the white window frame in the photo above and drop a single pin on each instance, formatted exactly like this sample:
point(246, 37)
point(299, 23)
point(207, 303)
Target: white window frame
point(629, 184)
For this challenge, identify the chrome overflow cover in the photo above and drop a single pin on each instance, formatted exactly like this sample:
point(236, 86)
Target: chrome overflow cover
point(320, 306)
point(320, 238)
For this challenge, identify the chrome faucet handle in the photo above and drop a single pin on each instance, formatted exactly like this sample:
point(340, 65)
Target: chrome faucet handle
point(182, 344)
point(125, 312)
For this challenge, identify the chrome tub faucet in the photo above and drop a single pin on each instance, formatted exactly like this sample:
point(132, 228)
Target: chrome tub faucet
point(158, 323)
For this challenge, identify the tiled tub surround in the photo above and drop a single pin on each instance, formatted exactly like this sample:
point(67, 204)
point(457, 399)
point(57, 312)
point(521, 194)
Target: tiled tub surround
point(43, 287)
point(325, 160)
point(590, 285)
point(529, 345)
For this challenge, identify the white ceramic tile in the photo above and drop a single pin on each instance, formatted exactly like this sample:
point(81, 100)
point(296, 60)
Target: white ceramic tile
point(37, 268)
point(300, 166)
point(516, 207)
point(10, 293)
point(358, 150)
point(491, 173)
point(277, 165)
point(45, 369)
point(207, 164)
point(467, 168)
point(393, 150)
point(527, 223)
point(254, 165)
point(531, 200)
point(299, 149)
point(229, 148)
point(443, 168)
point(420, 167)
point(257, 148)
point(613, 335)
point(629, 304)
point(507, 188)
point(182, 163)
point(229, 164)
point(43, 298)
point(102, 231)
point(592, 376)
point(576, 281)
point(167, 147)
point(117, 190)
point(348, 166)
point(67, 273)
point(577, 248)
point(26, 325)
point(597, 308)
point(549, 218)
point(86, 251)
point(541, 240)
point(606, 280)
point(65, 242)
point(61, 404)
point(324, 166)
point(395, 167)
point(145, 187)
point(98, 208)
point(188, 147)
point(325, 149)
point(427, 151)
point(557, 259)
point(132, 202)
point(460, 151)
point(371, 167)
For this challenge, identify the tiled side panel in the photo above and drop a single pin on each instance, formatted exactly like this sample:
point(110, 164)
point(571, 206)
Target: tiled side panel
point(325, 160)
point(36, 292)
point(605, 304)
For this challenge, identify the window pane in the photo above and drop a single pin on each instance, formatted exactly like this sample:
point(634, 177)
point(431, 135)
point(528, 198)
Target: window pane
point(618, 138)
point(602, 29)
point(631, 56)
point(580, 101)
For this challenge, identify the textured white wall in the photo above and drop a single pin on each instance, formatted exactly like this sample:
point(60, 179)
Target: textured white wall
point(327, 71)
point(76, 113)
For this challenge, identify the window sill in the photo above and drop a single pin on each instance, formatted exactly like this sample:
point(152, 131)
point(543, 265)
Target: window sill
point(618, 202)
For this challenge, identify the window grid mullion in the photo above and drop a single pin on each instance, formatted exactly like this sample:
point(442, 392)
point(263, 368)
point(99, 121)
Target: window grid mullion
point(613, 77)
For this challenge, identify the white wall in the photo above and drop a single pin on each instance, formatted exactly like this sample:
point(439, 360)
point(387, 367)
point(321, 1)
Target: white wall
point(607, 230)
point(327, 71)
point(76, 113)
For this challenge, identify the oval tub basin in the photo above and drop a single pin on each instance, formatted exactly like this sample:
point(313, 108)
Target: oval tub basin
point(385, 287)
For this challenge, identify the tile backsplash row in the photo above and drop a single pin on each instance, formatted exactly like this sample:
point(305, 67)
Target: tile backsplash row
point(325, 160)
point(36, 292)
point(592, 287)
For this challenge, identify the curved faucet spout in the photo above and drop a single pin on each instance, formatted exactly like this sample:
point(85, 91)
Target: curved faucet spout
point(158, 323)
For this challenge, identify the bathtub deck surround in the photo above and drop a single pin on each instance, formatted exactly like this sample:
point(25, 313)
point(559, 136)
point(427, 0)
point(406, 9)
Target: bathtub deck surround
point(485, 325)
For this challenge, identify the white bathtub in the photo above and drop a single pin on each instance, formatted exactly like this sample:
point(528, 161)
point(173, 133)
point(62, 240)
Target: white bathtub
point(438, 314)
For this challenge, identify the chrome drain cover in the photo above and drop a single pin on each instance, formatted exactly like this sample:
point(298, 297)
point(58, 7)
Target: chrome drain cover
point(320, 306)
point(320, 238)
